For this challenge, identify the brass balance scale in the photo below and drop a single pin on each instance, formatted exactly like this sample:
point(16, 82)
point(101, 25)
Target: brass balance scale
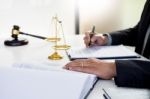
point(56, 55)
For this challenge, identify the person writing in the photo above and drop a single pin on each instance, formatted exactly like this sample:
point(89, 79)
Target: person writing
point(126, 73)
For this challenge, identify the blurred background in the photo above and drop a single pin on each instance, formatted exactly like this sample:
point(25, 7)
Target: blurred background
point(35, 16)
point(109, 15)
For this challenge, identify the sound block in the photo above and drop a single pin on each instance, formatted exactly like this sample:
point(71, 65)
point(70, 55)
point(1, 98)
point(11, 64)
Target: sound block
point(13, 42)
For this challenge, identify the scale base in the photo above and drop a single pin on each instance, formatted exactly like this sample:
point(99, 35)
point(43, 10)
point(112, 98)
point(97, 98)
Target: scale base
point(13, 42)
point(55, 56)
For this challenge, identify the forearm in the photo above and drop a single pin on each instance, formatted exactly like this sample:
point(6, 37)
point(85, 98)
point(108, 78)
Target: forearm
point(126, 37)
point(133, 73)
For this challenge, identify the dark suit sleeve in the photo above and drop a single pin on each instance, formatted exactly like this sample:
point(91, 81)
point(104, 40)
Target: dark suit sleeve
point(133, 73)
point(126, 37)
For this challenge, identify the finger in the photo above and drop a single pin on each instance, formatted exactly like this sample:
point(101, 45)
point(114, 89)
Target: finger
point(80, 62)
point(73, 63)
point(87, 39)
point(87, 35)
point(68, 65)
point(65, 67)
point(85, 69)
point(77, 62)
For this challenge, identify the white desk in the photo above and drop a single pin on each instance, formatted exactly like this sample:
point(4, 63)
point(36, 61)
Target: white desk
point(38, 51)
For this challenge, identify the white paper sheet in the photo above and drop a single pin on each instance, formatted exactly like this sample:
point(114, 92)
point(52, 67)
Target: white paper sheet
point(102, 52)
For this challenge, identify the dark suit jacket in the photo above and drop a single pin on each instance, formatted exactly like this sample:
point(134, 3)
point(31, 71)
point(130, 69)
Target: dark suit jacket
point(134, 73)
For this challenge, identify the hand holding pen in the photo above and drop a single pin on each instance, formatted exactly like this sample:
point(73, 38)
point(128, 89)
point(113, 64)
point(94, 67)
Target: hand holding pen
point(91, 39)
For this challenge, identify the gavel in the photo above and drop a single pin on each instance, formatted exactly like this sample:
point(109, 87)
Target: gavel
point(16, 41)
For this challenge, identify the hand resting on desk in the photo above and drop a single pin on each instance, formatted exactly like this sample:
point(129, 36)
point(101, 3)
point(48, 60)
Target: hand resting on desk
point(103, 69)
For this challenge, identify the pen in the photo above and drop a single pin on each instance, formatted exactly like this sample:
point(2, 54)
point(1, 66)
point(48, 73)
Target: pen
point(106, 96)
point(92, 34)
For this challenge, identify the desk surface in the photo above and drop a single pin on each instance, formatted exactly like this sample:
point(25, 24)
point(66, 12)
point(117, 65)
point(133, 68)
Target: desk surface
point(39, 50)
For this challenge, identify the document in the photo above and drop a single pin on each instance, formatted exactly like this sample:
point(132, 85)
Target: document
point(21, 83)
point(101, 52)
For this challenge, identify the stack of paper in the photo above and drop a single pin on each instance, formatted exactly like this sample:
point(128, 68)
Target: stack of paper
point(17, 83)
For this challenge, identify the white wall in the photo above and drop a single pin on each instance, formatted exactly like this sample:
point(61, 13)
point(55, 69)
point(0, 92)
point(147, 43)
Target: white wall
point(131, 12)
point(110, 15)
point(34, 16)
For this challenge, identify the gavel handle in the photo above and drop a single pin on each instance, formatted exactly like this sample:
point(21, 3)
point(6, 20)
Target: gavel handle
point(40, 37)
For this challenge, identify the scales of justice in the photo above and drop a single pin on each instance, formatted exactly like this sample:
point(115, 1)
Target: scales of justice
point(64, 46)
point(17, 41)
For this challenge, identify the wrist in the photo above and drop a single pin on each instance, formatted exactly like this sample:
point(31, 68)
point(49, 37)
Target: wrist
point(108, 39)
point(112, 69)
point(105, 40)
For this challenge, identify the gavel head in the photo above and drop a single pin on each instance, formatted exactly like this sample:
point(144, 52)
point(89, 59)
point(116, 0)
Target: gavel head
point(15, 31)
point(15, 41)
